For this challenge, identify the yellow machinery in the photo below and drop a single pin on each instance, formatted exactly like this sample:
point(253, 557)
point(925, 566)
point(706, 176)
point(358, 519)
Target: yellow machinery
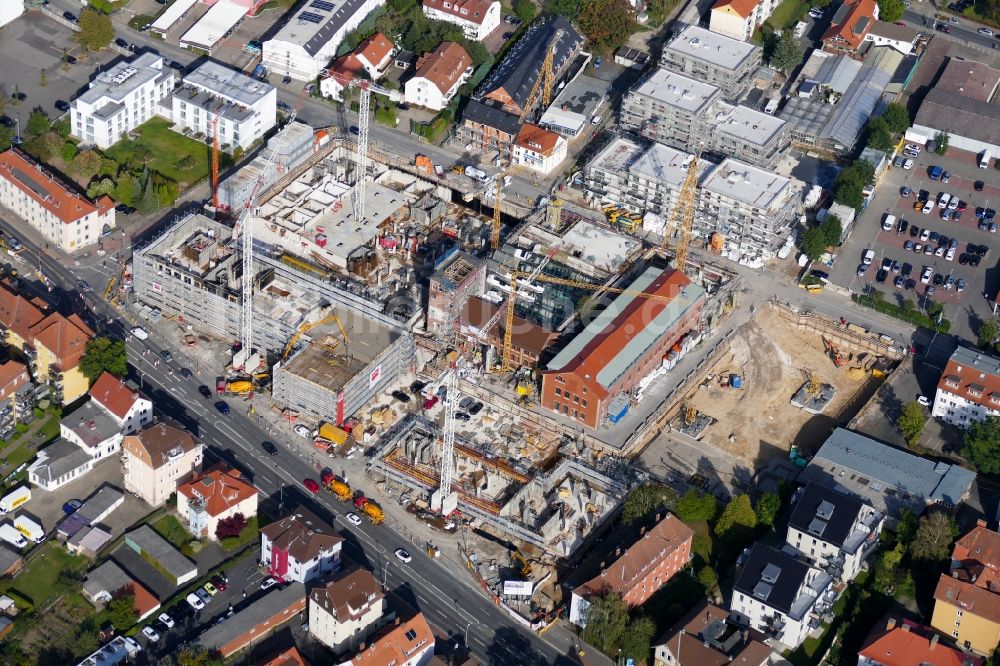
point(305, 328)
point(545, 78)
point(239, 387)
point(519, 562)
point(683, 213)
point(341, 490)
point(374, 512)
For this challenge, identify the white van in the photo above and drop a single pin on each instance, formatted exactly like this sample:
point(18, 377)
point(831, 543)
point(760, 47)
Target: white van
point(888, 223)
point(868, 257)
point(984, 159)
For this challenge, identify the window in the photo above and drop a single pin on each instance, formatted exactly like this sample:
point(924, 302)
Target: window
point(555, 405)
point(954, 634)
point(558, 391)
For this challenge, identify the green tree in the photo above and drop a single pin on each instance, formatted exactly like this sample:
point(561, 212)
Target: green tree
point(120, 610)
point(896, 117)
point(645, 499)
point(768, 506)
point(637, 640)
point(987, 333)
point(813, 242)
point(567, 8)
point(86, 164)
point(911, 422)
point(981, 445)
point(606, 23)
point(167, 193)
point(933, 309)
point(38, 123)
point(6, 137)
point(96, 30)
point(932, 541)
point(68, 152)
point(942, 143)
point(104, 355)
point(708, 577)
point(607, 617)
point(196, 656)
point(123, 189)
point(787, 52)
point(890, 10)
point(907, 526)
point(832, 230)
point(738, 514)
point(108, 167)
point(695, 505)
point(850, 184)
point(878, 135)
point(100, 187)
point(887, 570)
point(524, 10)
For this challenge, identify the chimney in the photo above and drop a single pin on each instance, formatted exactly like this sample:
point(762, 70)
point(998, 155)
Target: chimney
point(396, 622)
point(904, 626)
point(891, 624)
point(934, 640)
point(361, 647)
point(642, 530)
point(981, 523)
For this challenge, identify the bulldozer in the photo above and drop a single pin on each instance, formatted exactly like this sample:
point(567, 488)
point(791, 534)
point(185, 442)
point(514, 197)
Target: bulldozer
point(834, 353)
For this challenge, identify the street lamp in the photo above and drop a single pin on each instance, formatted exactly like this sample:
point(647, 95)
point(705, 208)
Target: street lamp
point(385, 572)
point(467, 634)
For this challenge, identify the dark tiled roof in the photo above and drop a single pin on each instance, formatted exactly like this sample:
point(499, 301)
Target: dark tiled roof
point(491, 116)
point(781, 593)
point(817, 502)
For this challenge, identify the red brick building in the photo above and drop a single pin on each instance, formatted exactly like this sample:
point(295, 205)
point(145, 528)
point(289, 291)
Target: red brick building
point(623, 344)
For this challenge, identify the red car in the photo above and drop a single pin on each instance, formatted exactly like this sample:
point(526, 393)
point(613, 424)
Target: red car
point(430, 402)
point(962, 206)
point(311, 485)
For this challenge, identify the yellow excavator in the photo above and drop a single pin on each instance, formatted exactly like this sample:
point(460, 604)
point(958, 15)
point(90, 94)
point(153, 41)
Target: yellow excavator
point(519, 562)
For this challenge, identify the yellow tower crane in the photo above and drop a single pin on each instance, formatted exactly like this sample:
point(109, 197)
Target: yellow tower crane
point(545, 78)
point(682, 214)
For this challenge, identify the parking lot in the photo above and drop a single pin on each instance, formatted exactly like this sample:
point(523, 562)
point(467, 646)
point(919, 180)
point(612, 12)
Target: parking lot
point(964, 308)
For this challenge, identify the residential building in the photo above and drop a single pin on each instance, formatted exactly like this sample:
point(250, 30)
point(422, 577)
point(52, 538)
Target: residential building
point(113, 410)
point(849, 27)
point(221, 19)
point(746, 134)
point(739, 18)
point(509, 84)
point(528, 341)
point(373, 55)
point(406, 643)
point(539, 149)
point(114, 652)
point(156, 459)
point(477, 18)
point(120, 99)
point(577, 107)
point(969, 388)
point(439, 75)
point(167, 560)
point(967, 598)
point(284, 152)
point(64, 217)
point(213, 496)
point(107, 581)
point(833, 532)
point(459, 276)
point(346, 611)
point(58, 464)
point(255, 622)
point(706, 637)
point(754, 210)
point(10, 10)
point(884, 477)
point(621, 345)
point(901, 642)
point(487, 127)
point(638, 573)
point(723, 62)
point(243, 108)
point(300, 547)
point(780, 596)
point(17, 397)
point(130, 409)
point(902, 38)
point(289, 656)
point(308, 40)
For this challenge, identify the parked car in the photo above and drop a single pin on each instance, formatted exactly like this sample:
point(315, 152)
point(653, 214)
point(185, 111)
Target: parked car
point(268, 583)
point(311, 485)
point(353, 518)
point(302, 431)
point(62, 105)
point(150, 634)
point(203, 595)
point(220, 582)
point(71, 506)
point(205, 391)
point(978, 186)
point(195, 602)
point(476, 408)
point(70, 16)
point(166, 620)
point(139, 333)
point(401, 396)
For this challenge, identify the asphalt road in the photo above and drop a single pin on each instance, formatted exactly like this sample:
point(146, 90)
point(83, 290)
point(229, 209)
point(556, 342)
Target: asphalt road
point(448, 600)
point(963, 32)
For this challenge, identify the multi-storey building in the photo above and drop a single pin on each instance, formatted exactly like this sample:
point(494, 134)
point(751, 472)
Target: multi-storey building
point(300, 547)
point(780, 596)
point(661, 551)
point(65, 217)
point(373, 55)
point(214, 496)
point(406, 643)
point(438, 77)
point(113, 411)
point(156, 459)
point(739, 18)
point(17, 397)
point(120, 99)
point(969, 388)
point(850, 26)
point(459, 276)
point(477, 18)
point(487, 127)
point(967, 597)
point(244, 109)
point(538, 149)
point(706, 636)
point(834, 532)
point(902, 642)
point(723, 62)
point(346, 611)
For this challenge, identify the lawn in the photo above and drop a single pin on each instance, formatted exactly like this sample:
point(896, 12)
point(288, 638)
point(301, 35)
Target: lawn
point(806, 654)
point(40, 581)
point(171, 529)
point(168, 148)
point(250, 533)
point(788, 13)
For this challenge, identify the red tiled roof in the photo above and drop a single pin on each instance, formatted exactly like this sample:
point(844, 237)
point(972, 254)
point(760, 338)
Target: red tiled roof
point(909, 644)
point(375, 49)
point(221, 489)
point(474, 10)
point(966, 376)
point(398, 645)
point(13, 376)
point(287, 657)
point(971, 599)
point(65, 337)
point(535, 138)
point(444, 66)
point(145, 603)
point(855, 25)
point(686, 638)
point(344, 69)
point(113, 394)
point(45, 189)
point(742, 7)
point(18, 312)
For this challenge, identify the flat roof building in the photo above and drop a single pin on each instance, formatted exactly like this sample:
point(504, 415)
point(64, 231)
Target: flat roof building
point(145, 541)
point(256, 621)
point(220, 20)
point(724, 62)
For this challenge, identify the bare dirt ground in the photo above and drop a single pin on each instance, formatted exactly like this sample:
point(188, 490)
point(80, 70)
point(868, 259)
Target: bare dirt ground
point(774, 360)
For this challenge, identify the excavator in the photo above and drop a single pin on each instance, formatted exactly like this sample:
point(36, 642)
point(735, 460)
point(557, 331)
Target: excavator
point(519, 562)
point(834, 353)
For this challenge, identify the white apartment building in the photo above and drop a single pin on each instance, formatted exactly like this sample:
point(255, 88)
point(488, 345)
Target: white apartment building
point(780, 596)
point(439, 75)
point(346, 611)
point(739, 18)
point(64, 217)
point(477, 18)
point(246, 108)
point(969, 388)
point(130, 409)
point(214, 496)
point(300, 547)
point(10, 10)
point(833, 531)
point(156, 459)
point(310, 37)
point(539, 149)
point(120, 99)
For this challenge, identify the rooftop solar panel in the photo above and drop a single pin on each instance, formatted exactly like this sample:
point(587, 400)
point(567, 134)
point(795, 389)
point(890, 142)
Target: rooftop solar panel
point(309, 16)
point(322, 5)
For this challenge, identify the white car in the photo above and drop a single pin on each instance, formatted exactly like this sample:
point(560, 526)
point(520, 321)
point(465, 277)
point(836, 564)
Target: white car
point(928, 207)
point(150, 633)
point(139, 333)
point(353, 518)
point(925, 234)
point(912, 147)
point(596, 120)
point(908, 164)
point(167, 621)
point(268, 583)
point(953, 204)
point(133, 645)
point(985, 31)
point(922, 399)
point(302, 431)
point(925, 275)
point(194, 602)
point(950, 255)
point(403, 556)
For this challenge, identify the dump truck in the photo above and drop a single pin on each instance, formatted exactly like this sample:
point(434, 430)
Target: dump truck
point(370, 509)
point(332, 434)
point(14, 499)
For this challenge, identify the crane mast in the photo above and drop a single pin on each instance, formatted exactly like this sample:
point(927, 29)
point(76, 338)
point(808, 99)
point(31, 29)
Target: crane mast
point(683, 212)
point(364, 107)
